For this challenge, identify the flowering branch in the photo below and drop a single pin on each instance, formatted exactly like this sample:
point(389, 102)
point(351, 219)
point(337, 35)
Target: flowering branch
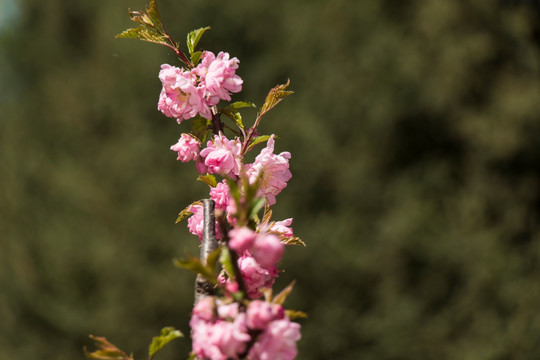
point(229, 319)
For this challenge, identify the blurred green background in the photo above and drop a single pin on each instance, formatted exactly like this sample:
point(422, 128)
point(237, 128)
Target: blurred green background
point(415, 136)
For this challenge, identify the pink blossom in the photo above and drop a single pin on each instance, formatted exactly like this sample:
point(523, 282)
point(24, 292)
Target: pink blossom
point(241, 239)
point(205, 309)
point(267, 250)
point(179, 97)
point(232, 337)
point(218, 76)
point(227, 310)
point(222, 156)
point(256, 278)
point(277, 342)
point(221, 195)
point(200, 166)
point(196, 222)
point(203, 340)
point(282, 228)
point(218, 339)
point(225, 281)
point(261, 313)
point(273, 169)
point(187, 148)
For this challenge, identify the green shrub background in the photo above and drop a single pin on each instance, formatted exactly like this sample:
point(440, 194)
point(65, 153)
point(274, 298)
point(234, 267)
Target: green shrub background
point(415, 139)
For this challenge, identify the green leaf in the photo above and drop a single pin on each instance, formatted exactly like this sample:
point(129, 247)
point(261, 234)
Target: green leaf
point(209, 179)
point(274, 97)
point(232, 111)
point(258, 140)
point(234, 190)
point(240, 104)
point(143, 33)
point(213, 257)
point(282, 296)
point(295, 314)
point(256, 206)
point(194, 37)
point(158, 342)
point(153, 14)
point(199, 126)
point(226, 260)
point(194, 264)
point(106, 350)
point(186, 213)
point(196, 57)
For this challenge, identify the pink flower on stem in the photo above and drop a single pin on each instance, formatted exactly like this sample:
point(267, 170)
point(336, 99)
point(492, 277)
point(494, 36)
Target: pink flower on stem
point(196, 222)
point(256, 278)
point(283, 228)
point(261, 313)
point(221, 195)
point(187, 148)
point(223, 156)
point(267, 250)
point(179, 97)
point(273, 170)
point(220, 338)
point(277, 342)
point(227, 311)
point(218, 76)
point(205, 309)
point(241, 239)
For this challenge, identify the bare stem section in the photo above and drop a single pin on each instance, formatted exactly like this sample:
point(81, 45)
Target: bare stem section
point(209, 244)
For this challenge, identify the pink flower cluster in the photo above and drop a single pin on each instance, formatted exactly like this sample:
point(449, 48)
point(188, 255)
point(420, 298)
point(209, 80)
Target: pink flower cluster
point(224, 157)
point(256, 278)
point(188, 93)
point(222, 330)
point(259, 254)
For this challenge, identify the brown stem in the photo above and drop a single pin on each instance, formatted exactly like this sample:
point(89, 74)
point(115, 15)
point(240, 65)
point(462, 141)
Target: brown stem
point(208, 245)
point(217, 125)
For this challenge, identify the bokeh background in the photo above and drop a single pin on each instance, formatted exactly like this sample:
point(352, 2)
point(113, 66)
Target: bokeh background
point(415, 135)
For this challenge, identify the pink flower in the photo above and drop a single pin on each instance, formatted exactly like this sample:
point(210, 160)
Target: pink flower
point(241, 239)
point(218, 76)
point(256, 278)
point(282, 228)
point(222, 156)
point(222, 338)
point(267, 250)
point(179, 97)
point(273, 169)
point(221, 195)
point(205, 309)
point(187, 148)
point(232, 337)
point(277, 342)
point(227, 311)
point(196, 222)
point(261, 313)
